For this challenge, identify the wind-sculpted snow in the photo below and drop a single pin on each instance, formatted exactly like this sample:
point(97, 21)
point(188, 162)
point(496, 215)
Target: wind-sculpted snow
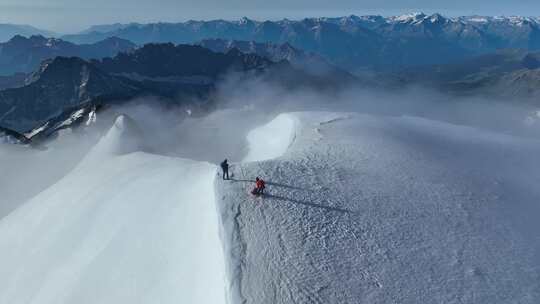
point(122, 227)
point(123, 137)
point(368, 209)
point(271, 140)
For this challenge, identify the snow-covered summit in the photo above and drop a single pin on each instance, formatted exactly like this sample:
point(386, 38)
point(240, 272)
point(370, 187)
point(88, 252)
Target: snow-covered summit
point(367, 209)
point(122, 138)
point(419, 18)
point(408, 18)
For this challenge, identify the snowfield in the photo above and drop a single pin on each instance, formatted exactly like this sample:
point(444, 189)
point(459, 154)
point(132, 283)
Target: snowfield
point(366, 209)
point(359, 209)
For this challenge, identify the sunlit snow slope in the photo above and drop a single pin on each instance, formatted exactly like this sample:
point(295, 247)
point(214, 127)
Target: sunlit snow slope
point(367, 209)
point(122, 227)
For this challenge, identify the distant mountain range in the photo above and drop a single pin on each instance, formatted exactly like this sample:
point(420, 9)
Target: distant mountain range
point(159, 61)
point(504, 74)
point(64, 91)
point(7, 31)
point(24, 55)
point(351, 42)
point(307, 61)
point(355, 43)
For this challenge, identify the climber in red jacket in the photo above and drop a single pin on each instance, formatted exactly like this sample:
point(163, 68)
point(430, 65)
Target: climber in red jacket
point(259, 186)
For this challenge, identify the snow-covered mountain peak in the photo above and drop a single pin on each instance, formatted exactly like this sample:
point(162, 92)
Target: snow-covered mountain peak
point(408, 18)
point(122, 123)
point(437, 18)
point(520, 20)
point(511, 20)
point(475, 19)
point(123, 137)
point(351, 20)
point(370, 18)
point(420, 18)
point(124, 126)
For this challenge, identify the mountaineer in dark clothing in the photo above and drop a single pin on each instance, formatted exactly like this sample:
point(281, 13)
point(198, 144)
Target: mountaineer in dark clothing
point(225, 168)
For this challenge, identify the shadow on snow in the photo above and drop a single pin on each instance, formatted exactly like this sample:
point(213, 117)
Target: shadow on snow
point(292, 200)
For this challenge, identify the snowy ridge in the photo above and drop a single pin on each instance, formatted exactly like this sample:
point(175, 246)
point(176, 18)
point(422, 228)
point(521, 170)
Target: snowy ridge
point(265, 142)
point(122, 138)
point(123, 227)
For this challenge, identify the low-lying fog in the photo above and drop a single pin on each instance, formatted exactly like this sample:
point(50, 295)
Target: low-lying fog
point(242, 106)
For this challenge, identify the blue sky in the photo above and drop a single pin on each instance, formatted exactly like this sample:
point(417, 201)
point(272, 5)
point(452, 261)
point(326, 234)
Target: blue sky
point(73, 15)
